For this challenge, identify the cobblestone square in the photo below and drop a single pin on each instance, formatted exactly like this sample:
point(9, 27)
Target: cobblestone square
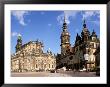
point(58, 74)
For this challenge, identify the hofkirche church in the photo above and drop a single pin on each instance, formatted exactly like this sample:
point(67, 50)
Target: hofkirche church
point(30, 56)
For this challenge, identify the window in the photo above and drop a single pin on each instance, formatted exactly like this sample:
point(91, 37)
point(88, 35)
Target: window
point(45, 66)
point(92, 45)
point(97, 45)
point(36, 65)
point(52, 66)
point(71, 58)
point(49, 65)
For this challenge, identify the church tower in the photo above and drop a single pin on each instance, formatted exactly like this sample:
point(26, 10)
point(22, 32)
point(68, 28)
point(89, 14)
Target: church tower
point(85, 33)
point(65, 39)
point(19, 43)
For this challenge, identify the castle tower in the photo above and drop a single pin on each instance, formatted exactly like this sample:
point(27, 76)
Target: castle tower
point(65, 38)
point(85, 33)
point(19, 43)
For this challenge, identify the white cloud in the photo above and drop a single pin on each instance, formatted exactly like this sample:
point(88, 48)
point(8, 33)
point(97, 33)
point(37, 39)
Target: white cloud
point(97, 22)
point(20, 16)
point(68, 15)
point(14, 34)
point(89, 14)
point(49, 24)
point(19, 34)
point(60, 18)
point(84, 14)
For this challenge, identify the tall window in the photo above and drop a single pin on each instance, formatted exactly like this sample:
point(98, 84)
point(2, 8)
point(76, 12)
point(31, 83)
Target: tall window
point(52, 66)
point(97, 45)
point(45, 66)
point(92, 45)
point(49, 65)
point(36, 66)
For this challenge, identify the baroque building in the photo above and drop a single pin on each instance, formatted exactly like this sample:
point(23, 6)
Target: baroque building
point(81, 54)
point(30, 57)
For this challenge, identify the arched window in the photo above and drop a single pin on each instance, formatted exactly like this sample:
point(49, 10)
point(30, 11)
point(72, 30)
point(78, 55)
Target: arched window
point(36, 66)
point(45, 66)
point(52, 66)
point(49, 65)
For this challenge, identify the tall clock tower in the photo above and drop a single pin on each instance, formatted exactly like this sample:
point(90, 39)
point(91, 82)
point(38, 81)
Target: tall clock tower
point(65, 39)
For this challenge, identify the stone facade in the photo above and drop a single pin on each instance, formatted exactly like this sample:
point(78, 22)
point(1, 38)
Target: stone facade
point(85, 46)
point(30, 57)
point(97, 54)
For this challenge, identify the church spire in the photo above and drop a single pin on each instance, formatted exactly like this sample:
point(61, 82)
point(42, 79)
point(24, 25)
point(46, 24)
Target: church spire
point(64, 24)
point(64, 18)
point(84, 24)
point(85, 34)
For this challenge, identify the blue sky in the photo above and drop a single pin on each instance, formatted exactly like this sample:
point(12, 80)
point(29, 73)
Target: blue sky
point(46, 26)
